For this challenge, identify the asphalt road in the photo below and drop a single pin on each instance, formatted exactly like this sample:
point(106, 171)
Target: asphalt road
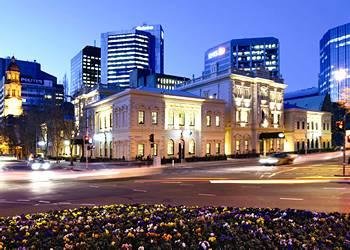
point(310, 184)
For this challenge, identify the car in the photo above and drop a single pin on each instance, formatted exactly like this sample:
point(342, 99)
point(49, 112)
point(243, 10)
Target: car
point(39, 164)
point(277, 159)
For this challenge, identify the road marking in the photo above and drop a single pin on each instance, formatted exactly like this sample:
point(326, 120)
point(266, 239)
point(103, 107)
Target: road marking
point(261, 176)
point(292, 199)
point(342, 188)
point(186, 184)
point(22, 200)
point(282, 171)
point(94, 186)
point(64, 203)
point(172, 182)
point(206, 194)
point(87, 204)
point(46, 202)
point(269, 181)
point(140, 190)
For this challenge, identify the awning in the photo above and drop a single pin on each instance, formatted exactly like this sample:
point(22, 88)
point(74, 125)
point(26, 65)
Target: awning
point(271, 135)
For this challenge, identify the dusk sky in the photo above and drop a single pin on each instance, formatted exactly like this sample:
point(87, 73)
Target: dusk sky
point(52, 32)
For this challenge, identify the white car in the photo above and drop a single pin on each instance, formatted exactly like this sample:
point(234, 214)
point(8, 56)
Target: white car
point(39, 164)
point(277, 159)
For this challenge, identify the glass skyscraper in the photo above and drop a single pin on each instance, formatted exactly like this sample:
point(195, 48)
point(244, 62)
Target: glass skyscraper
point(85, 69)
point(335, 62)
point(123, 51)
point(247, 54)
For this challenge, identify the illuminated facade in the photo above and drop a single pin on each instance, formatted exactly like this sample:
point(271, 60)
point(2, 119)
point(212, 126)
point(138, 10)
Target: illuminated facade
point(335, 60)
point(39, 88)
point(85, 69)
point(11, 92)
point(306, 129)
point(123, 51)
point(254, 108)
point(183, 125)
point(246, 54)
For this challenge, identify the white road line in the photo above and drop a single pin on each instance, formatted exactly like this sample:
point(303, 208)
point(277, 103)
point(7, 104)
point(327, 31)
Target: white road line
point(22, 200)
point(272, 181)
point(46, 202)
point(140, 190)
point(292, 199)
point(282, 171)
point(206, 194)
point(64, 203)
point(342, 188)
point(172, 182)
point(94, 186)
point(186, 184)
point(87, 204)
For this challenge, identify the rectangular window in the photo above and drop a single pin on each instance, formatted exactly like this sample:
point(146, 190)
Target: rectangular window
point(141, 117)
point(217, 121)
point(207, 148)
point(238, 145)
point(105, 121)
point(171, 118)
point(303, 125)
point(154, 117)
point(324, 126)
point(308, 125)
point(140, 150)
point(316, 126)
point(246, 145)
point(298, 125)
point(192, 119)
point(110, 120)
point(181, 119)
point(217, 148)
point(208, 120)
point(155, 149)
point(312, 125)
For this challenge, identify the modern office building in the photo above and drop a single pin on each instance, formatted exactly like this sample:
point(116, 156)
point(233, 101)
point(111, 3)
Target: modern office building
point(85, 69)
point(38, 87)
point(147, 78)
point(123, 51)
point(246, 54)
point(334, 75)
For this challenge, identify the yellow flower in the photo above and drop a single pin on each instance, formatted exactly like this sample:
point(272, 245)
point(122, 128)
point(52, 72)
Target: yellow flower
point(212, 239)
point(27, 234)
point(106, 231)
point(131, 235)
point(260, 221)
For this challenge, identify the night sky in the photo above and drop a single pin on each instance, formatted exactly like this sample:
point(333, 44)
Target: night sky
point(52, 32)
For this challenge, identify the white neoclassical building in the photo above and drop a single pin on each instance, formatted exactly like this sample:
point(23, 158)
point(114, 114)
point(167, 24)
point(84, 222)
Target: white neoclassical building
point(253, 110)
point(307, 129)
point(182, 125)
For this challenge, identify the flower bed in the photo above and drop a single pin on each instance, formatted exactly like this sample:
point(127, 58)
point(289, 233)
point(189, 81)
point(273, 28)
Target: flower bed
point(175, 227)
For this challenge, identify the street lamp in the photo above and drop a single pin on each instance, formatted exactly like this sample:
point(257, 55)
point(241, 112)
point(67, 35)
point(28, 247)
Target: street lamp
point(339, 76)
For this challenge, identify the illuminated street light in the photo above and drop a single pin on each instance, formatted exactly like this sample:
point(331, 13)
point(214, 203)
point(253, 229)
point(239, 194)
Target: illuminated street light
point(66, 142)
point(41, 143)
point(340, 75)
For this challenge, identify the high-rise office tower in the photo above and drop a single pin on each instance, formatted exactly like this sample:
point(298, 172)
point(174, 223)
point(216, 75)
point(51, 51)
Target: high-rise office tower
point(85, 69)
point(334, 75)
point(247, 54)
point(139, 48)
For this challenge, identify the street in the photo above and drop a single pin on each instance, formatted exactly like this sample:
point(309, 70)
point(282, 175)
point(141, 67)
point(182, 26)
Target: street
point(310, 183)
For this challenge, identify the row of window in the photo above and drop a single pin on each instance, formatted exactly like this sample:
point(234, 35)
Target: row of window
point(314, 125)
point(311, 144)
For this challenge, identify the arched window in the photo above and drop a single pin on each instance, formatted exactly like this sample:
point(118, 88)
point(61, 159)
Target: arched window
point(191, 147)
point(170, 147)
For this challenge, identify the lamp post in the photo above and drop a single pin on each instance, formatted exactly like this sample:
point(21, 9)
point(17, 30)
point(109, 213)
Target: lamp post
point(339, 76)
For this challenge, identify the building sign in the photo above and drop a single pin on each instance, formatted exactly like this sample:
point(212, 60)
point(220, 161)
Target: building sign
point(148, 27)
point(218, 52)
point(31, 80)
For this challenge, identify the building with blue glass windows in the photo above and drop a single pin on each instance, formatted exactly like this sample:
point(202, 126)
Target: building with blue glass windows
point(85, 69)
point(334, 77)
point(247, 54)
point(38, 87)
point(123, 51)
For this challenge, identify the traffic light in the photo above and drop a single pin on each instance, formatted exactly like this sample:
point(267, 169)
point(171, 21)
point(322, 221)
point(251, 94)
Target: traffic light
point(340, 124)
point(151, 138)
point(87, 139)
